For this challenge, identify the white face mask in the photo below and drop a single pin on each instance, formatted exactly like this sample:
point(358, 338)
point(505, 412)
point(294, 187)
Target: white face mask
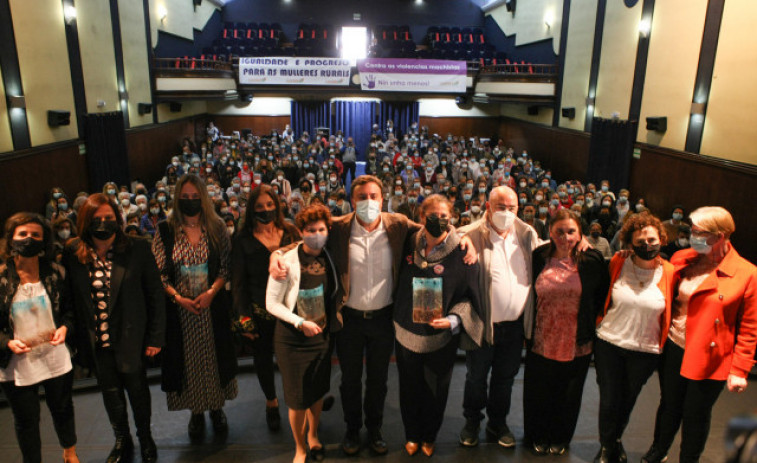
point(699, 244)
point(368, 210)
point(64, 234)
point(503, 220)
point(231, 230)
point(316, 241)
point(125, 203)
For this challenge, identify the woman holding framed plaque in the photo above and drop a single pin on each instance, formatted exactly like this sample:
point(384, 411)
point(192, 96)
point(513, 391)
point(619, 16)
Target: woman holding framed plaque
point(436, 311)
point(303, 304)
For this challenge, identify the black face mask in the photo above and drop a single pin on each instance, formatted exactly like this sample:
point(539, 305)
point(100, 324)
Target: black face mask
point(103, 229)
point(646, 252)
point(265, 216)
point(436, 226)
point(595, 234)
point(27, 247)
point(190, 207)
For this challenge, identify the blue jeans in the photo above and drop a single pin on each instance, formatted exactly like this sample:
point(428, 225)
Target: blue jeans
point(503, 360)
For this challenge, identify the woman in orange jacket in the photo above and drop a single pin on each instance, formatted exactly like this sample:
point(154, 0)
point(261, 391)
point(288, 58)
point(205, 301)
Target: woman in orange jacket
point(632, 330)
point(712, 336)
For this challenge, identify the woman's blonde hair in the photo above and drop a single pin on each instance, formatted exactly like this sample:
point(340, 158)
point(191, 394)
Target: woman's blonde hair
point(213, 225)
point(713, 219)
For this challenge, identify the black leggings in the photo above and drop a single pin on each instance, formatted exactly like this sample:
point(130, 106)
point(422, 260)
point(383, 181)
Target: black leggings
point(683, 401)
point(621, 373)
point(24, 402)
point(263, 355)
point(552, 393)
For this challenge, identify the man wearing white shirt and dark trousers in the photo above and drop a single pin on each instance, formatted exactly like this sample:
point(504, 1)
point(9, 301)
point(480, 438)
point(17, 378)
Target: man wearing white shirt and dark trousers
point(504, 244)
point(370, 244)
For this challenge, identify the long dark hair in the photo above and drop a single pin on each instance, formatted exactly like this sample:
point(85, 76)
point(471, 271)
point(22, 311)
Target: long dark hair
point(84, 220)
point(249, 217)
point(22, 218)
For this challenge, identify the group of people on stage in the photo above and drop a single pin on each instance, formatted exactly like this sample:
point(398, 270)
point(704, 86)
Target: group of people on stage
point(277, 272)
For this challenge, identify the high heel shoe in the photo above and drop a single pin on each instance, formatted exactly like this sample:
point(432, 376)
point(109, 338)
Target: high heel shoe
point(317, 453)
point(69, 455)
point(427, 448)
point(411, 447)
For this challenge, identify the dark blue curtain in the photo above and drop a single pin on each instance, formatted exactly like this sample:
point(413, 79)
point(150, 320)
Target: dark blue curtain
point(402, 113)
point(107, 156)
point(610, 151)
point(307, 115)
point(354, 119)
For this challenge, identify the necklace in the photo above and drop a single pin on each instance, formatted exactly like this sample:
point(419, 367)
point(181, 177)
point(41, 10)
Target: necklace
point(191, 225)
point(642, 283)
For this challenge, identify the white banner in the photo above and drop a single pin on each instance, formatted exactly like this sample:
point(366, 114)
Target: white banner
point(294, 71)
point(409, 75)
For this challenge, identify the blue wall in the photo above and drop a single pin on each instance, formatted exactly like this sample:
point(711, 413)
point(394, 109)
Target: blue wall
point(538, 52)
point(171, 46)
point(459, 13)
point(373, 12)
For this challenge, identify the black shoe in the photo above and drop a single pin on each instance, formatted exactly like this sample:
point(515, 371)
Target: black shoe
point(218, 418)
point(540, 448)
point(654, 455)
point(558, 449)
point(376, 442)
point(622, 457)
point(122, 451)
point(272, 418)
point(317, 453)
point(351, 442)
point(328, 402)
point(148, 449)
point(604, 455)
point(196, 426)
point(501, 435)
point(469, 434)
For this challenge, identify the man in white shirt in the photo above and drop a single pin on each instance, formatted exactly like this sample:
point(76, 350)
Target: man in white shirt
point(504, 244)
point(369, 244)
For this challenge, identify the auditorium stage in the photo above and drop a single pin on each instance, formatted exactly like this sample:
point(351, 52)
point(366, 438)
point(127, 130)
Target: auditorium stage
point(249, 440)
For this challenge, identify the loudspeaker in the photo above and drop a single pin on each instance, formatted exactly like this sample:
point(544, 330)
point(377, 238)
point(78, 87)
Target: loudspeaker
point(658, 124)
point(57, 118)
point(245, 97)
point(461, 100)
point(510, 5)
point(570, 113)
point(144, 108)
point(175, 107)
point(533, 110)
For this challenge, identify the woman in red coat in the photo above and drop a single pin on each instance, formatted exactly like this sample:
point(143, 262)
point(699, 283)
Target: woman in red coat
point(712, 336)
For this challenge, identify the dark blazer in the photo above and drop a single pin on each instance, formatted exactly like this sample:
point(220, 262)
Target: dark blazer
point(595, 281)
point(52, 276)
point(137, 313)
point(398, 228)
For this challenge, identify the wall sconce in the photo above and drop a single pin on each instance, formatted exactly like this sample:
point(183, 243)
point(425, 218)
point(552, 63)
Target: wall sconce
point(17, 102)
point(69, 14)
point(645, 25)
point(162, 13)
point(549, 19)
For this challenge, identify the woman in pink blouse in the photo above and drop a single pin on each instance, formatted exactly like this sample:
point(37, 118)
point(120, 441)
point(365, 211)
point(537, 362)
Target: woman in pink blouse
point(570, 289)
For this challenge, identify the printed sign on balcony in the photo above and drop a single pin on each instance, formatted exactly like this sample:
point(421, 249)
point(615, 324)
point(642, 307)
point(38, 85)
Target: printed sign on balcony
point(294, 71)
point(412, 75)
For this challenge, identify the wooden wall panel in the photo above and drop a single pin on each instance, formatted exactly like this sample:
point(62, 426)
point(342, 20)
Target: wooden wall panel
point(260, 125)
point(150, 147)
point(666, 177)
point(564, 151)
point(663, 177)
point(466, 126)
point(27, 177)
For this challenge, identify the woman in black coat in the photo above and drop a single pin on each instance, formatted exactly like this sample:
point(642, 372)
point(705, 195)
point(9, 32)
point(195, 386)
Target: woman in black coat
point(120, 310)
